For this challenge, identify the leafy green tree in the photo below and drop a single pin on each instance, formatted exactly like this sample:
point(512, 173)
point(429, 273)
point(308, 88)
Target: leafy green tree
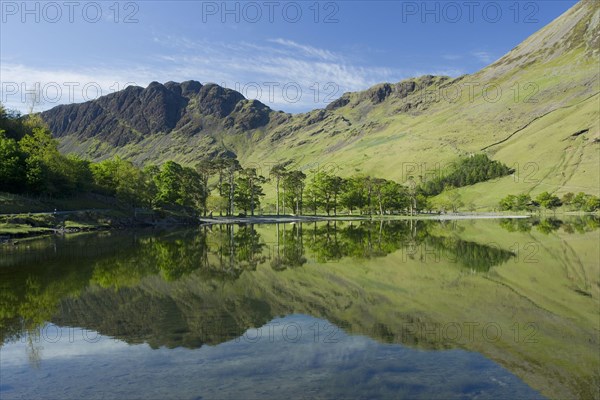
point(319, 195)
point(12, 165)
point(293, 185)
point(592, 204)
point(467, 171)
point(332, 187)
point(220, 166)
point(104, 175)
point(206, 168)
point(378, 192)
point(217, 204)
point(422, 203)
point(169, 184)
point(579, 201)
point(455, 200)
point(278, 172)
point(194, 191)
point(511, 202)
point(120, 178)
point(548, 201)
point(395, 197)
point(567, 198)
point(47, 171)
point(523, 202)
point(232, 166)
point(586, 202)
point(177, 185)
point(249, 190)
point(79, 172)
point(355, 196)
point(508, 203)
point(31, 161)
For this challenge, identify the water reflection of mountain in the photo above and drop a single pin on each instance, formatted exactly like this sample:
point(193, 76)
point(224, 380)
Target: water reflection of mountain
point(395, 282)
point(215, 255)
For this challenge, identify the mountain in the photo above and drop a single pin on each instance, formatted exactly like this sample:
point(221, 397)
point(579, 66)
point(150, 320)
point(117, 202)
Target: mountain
point(535, 109)
point(135, 114)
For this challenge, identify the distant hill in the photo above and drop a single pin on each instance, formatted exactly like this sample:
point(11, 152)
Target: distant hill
point(535, 109)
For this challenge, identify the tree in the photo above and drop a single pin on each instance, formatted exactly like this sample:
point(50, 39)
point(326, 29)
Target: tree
point(232, 165)
point(377, 185)
point(41, 158)
point(585, 202)
point(79, 172)
point(335, 186)
point(567, 198)
point(104, 175)
point(355, 196)
point(324, 191)
point(523, 202)
point(592, 204)
point(313, 194)
point(318, 190)
point(12, 165)
point(217, 204)
point(422, 203)
point(508, 203)
point(548, 201)
point(511, 202)
point(130, 185)
point(467, 171)
point(396, 197)
point(293, 185)
point(169, 184)
point(206, 168)
point(249, 190)
point(278, 172)
point(455, 200)
point(194, 190)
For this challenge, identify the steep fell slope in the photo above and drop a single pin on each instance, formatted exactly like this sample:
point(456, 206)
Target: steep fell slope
point(535, 109)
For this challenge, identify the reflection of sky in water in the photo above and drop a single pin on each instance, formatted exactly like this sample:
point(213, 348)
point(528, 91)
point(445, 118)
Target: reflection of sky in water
point(285, 358)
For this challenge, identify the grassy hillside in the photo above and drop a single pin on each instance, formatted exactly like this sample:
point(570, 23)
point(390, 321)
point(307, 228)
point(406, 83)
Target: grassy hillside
point(537, 109)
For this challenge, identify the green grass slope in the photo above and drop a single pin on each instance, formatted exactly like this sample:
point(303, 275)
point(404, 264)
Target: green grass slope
point(536, 108)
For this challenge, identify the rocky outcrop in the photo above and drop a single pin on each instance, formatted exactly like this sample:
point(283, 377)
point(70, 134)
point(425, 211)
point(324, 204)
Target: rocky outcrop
point(134, 113)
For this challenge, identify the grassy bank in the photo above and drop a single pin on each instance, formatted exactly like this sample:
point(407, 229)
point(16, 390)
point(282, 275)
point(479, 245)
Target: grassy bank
point(23, 225)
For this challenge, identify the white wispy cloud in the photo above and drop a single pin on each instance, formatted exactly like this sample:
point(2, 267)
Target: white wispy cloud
point(281, 73)
point(21, 85)
point(307, 50)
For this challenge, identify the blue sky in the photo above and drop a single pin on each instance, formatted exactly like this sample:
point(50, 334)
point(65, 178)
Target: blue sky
point(292, 56)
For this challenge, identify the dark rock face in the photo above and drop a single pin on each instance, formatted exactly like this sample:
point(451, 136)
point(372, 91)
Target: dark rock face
point(315, 116)
point(403, 89)
point(248, 115)
point(379, 93)
point(339, 103)
point(133, 113)
point(218, 101)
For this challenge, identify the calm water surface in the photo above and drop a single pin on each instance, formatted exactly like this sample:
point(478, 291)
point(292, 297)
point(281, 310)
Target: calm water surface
point(405, 309)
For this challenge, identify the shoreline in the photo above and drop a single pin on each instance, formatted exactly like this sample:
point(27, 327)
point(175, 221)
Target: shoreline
point(274, 219)
point(12, 236)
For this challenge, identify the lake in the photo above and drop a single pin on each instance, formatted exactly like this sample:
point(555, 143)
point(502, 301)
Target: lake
point(482, 309)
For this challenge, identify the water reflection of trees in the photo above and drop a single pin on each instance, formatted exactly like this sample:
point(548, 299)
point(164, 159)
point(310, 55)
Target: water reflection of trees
point(332, 241)
point(575, 224)
point(35, 280)
point(288, 250)
point(235, 249)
